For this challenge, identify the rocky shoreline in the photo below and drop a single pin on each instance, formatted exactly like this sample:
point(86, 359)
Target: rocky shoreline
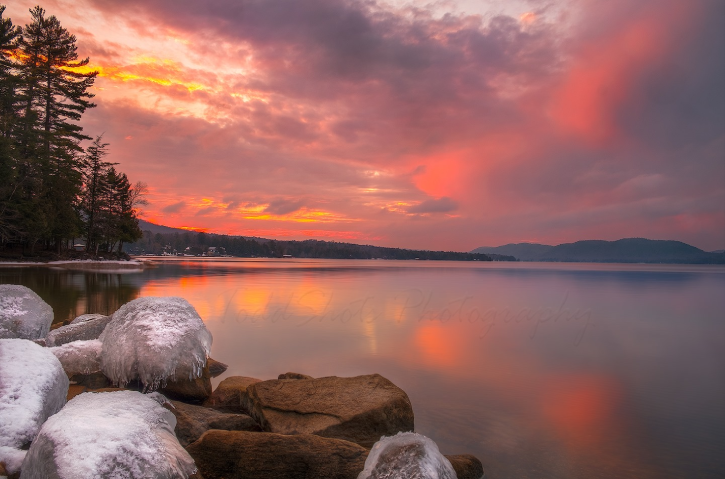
point(140, 404)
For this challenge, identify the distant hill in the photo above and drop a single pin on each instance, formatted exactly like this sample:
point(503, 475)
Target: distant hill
point(154, 228)
point(628, 250)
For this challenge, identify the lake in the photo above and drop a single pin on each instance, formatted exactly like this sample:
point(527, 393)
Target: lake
point(542, 370)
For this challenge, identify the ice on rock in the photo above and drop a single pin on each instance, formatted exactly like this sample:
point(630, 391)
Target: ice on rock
point(33, 387)
point(23, 314)
point(89, 328)
point(406, 455)
point(84, 318)
point(154, 340)
point(79, 357)
point(123, 434)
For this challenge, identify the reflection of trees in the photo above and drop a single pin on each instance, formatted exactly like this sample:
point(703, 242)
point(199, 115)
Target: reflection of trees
point(105, 293)
point(72, 293)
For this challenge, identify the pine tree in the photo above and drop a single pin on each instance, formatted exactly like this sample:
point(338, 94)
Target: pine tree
point(9, 37)
point(94, 193)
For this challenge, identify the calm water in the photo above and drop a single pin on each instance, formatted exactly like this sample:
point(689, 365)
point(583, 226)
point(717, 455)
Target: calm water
point(541, 370)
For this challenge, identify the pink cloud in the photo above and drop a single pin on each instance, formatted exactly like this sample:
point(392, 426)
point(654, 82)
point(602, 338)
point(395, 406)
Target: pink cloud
point(407, 128)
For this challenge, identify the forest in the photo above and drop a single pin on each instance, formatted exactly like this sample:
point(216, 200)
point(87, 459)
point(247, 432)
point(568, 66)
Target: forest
point(56, 185)
point(200, 243)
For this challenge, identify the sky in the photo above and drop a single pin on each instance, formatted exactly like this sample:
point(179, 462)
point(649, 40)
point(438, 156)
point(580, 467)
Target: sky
point(438, 125)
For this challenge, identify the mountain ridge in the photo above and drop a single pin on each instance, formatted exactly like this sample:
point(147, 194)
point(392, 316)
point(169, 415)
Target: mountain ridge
point(625, 250)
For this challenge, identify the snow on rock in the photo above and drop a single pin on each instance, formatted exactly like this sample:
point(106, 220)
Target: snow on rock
point(84, 318)
point(23, 314)
point(407, 455)
point(90, 327)
point(33, 387)
point(123, 434)
point(79, 357)
point(155, 340)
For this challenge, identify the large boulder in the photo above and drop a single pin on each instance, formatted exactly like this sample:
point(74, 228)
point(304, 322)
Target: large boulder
point(155, 340)
point(466, 466)
point(33, 387)
point(229, 394)
point(89, 328)
point(194, 390)
point(109, 435)
point(406, 455)
point(79, 357)
point(359, 409)
point(23, 314)
point(259, 455)
point(193, 421)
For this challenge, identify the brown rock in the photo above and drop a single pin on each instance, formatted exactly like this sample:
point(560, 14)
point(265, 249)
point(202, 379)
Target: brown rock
point(193, 421)
point(259, 455)
point(106, 390)
point(466, 466)
point(294, 376)
point(359, 409)
point(74, 390)
point(194, 390)
point(215, 367)
point(228, 395)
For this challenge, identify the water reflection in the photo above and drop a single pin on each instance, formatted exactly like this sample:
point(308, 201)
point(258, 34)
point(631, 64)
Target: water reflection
point(561, 371)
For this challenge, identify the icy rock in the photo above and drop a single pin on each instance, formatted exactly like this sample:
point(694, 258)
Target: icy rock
point(33, 387)
point(155, 340)
point(90, 328)
point(122, 434)
point(79, 357)
point(23, 314)
point(407, 455)
point(84, 318)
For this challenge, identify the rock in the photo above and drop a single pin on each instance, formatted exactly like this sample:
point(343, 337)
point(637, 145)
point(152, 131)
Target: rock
point(79, 357)
point(110, 435)
point(359, 409)
point(294, 376)
point(193, 421)
point(156, 340)
point(406, 455)
point(216, 368)
point(33, 387)
point(260, 455)
point(91, 381)
point(74, 390)
point(466, 466)
point(90, 328)
point(23, 314)
point(228, 395)
point(190, 390)
point(84, 318)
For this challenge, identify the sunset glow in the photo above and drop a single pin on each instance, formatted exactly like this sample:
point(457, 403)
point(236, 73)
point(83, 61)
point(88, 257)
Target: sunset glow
point(413, 125)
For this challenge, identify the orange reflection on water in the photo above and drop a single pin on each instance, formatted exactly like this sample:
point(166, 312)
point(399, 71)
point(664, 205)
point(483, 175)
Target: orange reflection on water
point(581, 408)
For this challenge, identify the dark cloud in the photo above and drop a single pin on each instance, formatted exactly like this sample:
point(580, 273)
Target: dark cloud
point(441, 205)
point(282, 206)
point(174, 207)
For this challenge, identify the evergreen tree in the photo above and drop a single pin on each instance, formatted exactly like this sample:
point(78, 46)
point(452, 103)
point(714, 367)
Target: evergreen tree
point(9, 37)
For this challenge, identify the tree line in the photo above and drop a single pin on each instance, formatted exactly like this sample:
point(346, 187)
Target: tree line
point(198, 243)
point(52, 189)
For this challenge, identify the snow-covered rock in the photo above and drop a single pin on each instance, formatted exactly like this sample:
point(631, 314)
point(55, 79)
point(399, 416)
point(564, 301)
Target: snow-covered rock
point(155, 340)
point(123, 434)
point(84, 318)
point(407, 455)
point(33, 387)
point(90, 327)
point(79, 357)
point(23, 314)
